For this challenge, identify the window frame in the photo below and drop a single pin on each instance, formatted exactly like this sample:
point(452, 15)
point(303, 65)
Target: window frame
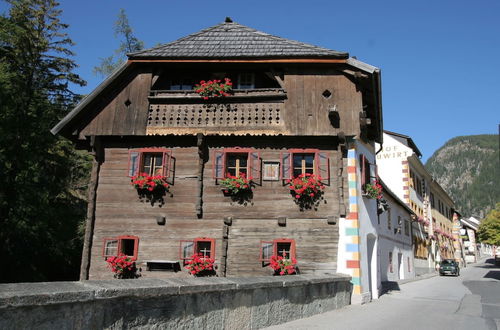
point(195, 242)
point(119, 245)
point(248, 82)
point(321, 164)
point(254, 163)
point(136, 162)
point(368, 172)
point(275, 248)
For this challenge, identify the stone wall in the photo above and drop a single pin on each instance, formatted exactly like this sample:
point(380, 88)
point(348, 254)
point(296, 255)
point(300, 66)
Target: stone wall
point(194, 303)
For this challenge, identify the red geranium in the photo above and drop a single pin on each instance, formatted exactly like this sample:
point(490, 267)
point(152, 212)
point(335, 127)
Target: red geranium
point(214, 88)
point(235, 184)
point(198, 264)
point(283, 265)
point(122, 266)
point(306, 186)
point(149, 182)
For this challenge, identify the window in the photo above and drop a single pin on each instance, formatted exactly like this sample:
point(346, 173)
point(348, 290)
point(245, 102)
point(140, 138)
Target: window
point(389, 219)
point(391, 269)
point(246, 81)
point(407, 227)
point(433, 204)
point(204, 246)
point(400, 223)
point(367, 171)
point(181, 84)
point(127, 245)
point(302, 161)
point(237, 160)
point(152, 161)
point(277, 247)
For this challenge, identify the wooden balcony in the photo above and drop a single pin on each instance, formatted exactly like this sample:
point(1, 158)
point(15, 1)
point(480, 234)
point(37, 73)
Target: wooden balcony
point(238, 95)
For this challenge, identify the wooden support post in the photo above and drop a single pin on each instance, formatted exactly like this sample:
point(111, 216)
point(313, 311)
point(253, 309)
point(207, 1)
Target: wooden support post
point(342, 168)
point(97, 152)
point(200, 142)
point(225, 244)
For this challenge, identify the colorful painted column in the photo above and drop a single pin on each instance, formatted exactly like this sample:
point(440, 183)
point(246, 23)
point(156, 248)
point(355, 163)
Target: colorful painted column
point(352, 225)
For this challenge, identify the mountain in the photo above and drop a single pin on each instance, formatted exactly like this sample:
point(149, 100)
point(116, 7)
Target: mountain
point(468, 169)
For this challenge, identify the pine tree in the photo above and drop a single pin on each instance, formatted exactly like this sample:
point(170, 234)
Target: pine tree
point(39, 207)
point(129, 44)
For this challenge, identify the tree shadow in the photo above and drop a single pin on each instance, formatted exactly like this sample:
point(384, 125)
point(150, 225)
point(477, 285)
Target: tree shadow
point(494, 274)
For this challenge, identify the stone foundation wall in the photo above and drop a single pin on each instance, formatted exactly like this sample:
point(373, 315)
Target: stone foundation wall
point(194, 303)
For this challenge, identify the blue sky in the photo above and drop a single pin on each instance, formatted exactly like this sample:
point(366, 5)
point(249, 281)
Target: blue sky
point(439, 59)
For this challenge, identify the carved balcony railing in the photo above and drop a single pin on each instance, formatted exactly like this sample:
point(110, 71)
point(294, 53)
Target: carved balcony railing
point(253, 108)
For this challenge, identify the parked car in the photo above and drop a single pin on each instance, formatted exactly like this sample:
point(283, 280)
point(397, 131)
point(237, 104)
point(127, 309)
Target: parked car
point(449, 267)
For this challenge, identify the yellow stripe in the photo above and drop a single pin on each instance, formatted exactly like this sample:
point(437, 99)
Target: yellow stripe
point(356, 289)
point(356, 273)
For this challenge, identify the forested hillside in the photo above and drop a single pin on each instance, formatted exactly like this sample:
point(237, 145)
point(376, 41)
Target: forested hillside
point(468, 168)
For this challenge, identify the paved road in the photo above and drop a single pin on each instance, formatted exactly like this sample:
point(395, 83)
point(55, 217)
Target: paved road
point(471, 301)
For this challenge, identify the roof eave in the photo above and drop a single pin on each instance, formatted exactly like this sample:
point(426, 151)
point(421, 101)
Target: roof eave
point(88, 99)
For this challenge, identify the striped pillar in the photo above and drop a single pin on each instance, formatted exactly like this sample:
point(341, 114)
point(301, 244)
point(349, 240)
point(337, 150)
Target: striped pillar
point(352, 225)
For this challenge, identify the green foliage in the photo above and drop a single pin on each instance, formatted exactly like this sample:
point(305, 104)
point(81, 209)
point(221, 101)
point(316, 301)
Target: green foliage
point(467, 167)
point(43, 178)
point(489, 229)
point(129, 44)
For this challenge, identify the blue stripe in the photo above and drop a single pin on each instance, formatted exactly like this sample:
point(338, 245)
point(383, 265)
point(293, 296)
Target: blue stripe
point(352, 247)
point(353, 200)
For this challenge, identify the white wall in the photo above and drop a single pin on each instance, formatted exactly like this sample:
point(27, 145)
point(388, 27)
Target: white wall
point(389, 163)
point(367, 214)
point(396, 241)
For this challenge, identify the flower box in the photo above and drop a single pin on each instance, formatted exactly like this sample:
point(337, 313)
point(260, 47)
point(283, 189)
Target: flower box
point(214, 88)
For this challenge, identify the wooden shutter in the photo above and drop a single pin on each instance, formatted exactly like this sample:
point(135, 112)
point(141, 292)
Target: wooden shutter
point(110, 247)
point(219, 164)
point(168, 166)
point(286, 165)
point(134, 159)
point(323, 166)
point(266, 251)
point(255, 168)
point(186, 250)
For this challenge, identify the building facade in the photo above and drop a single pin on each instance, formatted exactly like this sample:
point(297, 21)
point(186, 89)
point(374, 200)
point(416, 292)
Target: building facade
point(295, 111)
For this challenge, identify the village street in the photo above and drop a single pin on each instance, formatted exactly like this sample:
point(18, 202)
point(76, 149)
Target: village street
point(471, 301)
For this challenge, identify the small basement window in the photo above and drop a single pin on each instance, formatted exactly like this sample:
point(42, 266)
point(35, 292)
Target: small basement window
point(126, 245)
point(277, 247)
point(203, 245)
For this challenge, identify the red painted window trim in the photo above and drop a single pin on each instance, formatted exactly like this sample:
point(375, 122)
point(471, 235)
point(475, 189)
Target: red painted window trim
point(119, 239)
point(195, 246)
point(167, 159)
point(317, 164)
point(235, 150)
point(275, 247)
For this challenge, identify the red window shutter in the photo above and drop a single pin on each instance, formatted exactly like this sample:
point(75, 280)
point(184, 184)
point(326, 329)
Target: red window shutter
point(323, 167)
point(186, 249)
point(134, 160)
point(168, 166)
point(255, 171)
point(219, 164)
point(266, 251)
point(362, 164)
point(286, 165)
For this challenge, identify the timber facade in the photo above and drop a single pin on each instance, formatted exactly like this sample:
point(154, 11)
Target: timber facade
point(292, 109)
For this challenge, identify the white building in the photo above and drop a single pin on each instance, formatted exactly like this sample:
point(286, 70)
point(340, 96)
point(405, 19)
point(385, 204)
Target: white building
point(395, 244)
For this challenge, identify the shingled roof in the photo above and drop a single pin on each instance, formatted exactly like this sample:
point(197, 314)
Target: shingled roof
point(230, 40)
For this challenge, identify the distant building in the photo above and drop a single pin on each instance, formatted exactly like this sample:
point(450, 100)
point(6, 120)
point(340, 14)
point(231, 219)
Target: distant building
point(400, 167)
point(468, 234)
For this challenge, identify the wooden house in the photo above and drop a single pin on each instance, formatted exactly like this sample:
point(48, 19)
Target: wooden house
point(292, 110)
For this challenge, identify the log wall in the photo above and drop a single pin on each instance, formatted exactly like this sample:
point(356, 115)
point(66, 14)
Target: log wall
point(119, 210)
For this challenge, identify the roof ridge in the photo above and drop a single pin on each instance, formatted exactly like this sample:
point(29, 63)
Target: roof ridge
point(233, 40)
